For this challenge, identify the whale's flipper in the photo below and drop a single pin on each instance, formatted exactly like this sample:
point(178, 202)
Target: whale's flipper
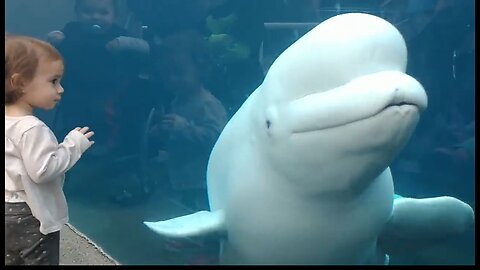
point(196, 224)
point(417, 224)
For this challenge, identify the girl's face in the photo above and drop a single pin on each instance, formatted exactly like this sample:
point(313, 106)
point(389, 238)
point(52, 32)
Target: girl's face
point(183, 75)
point(99, 12)
point(178, 74)
point(45, 91)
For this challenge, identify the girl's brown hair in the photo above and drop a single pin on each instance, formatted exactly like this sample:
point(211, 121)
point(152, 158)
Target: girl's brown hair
point(22, 55)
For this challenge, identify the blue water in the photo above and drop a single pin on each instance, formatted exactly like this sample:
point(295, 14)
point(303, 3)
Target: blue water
point(142, 167)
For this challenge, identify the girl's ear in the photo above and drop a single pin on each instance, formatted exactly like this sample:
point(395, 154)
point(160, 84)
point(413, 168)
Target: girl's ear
point(16, 81)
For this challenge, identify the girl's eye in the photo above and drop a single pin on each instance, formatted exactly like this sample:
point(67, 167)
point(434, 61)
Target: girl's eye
point(55, 81)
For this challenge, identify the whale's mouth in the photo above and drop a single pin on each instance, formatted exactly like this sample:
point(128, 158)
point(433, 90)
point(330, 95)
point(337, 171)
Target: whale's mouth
point(401, 106)
point(382, 96)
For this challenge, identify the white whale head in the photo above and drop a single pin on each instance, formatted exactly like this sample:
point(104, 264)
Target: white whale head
point(338, 98)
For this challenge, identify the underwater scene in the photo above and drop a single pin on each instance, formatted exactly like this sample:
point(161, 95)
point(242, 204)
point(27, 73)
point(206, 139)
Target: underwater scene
point(267, 131)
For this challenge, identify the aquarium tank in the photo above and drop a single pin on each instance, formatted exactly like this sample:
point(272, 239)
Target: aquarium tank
point(158, 80)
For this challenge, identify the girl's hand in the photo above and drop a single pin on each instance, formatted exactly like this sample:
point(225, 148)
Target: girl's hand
point(113, 45)
point(174, 122)
point(85, 132)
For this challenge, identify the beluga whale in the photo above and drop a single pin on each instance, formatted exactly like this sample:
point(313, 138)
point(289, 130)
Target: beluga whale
point(300, 174)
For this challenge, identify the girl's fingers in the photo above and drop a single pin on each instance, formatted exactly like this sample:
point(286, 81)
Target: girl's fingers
point(84, 130)
point(169, 117)
point(89, 134)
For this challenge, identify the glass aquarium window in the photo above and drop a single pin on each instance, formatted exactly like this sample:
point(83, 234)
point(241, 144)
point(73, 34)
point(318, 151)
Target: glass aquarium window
point(158, 80)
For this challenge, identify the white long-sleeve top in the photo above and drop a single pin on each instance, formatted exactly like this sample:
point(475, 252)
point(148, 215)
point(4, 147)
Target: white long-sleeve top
point(35, 166)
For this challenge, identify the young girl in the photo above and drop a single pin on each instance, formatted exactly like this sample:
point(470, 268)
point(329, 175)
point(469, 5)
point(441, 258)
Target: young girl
point(35, 164)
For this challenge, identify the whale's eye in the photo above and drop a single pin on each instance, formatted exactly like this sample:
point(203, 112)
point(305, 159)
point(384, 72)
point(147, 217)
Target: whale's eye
point(268, 123)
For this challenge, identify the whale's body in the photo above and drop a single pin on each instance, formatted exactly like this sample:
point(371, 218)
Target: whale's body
point(300, 173)
point(302, 182)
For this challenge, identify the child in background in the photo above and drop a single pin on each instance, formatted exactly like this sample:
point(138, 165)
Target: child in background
point(188, 129)
point(194, 118)
point(102, 75)
point(35, 164)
